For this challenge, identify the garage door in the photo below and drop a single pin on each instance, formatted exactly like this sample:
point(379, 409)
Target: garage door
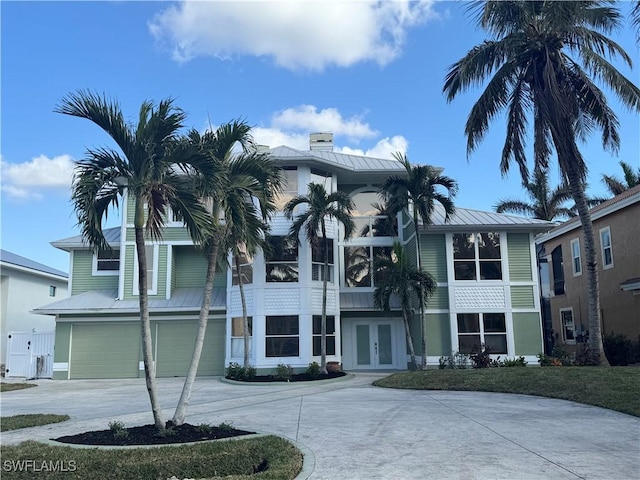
point(105, 351)
point(175, 348)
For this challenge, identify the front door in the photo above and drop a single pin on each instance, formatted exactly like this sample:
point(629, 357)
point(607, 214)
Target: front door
point(374, 345)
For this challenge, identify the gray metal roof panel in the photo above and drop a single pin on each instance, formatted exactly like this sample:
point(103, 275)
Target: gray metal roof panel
point(111, 235)
point(20, 261)
point(464, 217)
point(341, 160)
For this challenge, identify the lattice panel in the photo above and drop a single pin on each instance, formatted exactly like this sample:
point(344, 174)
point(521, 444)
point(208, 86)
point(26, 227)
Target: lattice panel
point(479, 297)
point(316, 300)
point(281, 299)
point(280, 225)
point(236, 301)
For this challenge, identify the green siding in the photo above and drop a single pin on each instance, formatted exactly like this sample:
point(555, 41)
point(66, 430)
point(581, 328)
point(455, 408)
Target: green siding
point(522, 297)
point(519, 257)
point(105, 350)
point(438, 334)
point(434, 256)
point(61, 348)
point(411, 250)
point(130, 261)
point(527, 334)
point(82, 278)
point(409, 228)
point(439, 300)
point(415, 328)
point(175, 344)
point(190, 269)
point(169, 234)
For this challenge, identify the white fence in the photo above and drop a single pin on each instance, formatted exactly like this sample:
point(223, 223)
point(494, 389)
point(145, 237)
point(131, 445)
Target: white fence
point(30, 355)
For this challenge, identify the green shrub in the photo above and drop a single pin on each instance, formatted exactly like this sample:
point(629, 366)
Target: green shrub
point(514, 362)
point(118, 429)
point(235, 371)
point(455, 361)
point(482, 359)
point(619, 349)
point(284, 372)
point(313, 370)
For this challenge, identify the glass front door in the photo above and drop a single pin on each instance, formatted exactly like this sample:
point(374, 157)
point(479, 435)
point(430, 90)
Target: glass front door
point(374, 345)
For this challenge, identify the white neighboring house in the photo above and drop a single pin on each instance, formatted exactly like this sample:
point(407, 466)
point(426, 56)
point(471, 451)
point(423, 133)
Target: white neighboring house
point(27, 285)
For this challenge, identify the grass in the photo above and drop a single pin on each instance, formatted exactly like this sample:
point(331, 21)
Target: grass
point(615, 388)
point(29, 420)
point(260, 458)
point(8, 387)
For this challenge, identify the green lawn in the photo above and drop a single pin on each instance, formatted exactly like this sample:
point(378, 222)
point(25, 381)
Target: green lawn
point(8, 387)
point(30, 420)
point(260, 458)
point(616, 388)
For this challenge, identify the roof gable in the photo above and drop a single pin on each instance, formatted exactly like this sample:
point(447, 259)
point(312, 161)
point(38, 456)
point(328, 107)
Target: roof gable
point(11, 259)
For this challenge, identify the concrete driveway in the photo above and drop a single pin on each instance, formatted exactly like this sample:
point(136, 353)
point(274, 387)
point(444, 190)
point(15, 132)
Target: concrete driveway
point(353, 430)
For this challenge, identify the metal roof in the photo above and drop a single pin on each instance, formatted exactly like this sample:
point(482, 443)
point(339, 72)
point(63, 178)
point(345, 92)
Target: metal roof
point(363, 301)
point(100, 301)
point(8, 259)
point(464, 218)
point(111, 235)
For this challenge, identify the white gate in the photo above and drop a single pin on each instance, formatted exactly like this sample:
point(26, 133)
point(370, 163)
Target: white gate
point(30, 355)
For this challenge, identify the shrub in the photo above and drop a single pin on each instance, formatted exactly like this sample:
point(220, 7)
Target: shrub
point(584, 356)
point(456, 361)
point(284, 372)
point(514, 362)
point(118, 429)
point(619, 349)
point(482, 359)
point(235, 371)
point(313, 370)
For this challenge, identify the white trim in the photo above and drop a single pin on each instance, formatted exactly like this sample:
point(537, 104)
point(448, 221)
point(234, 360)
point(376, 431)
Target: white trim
point(32, 271)
point(104, 273)
point(70, 279)
point(562, 328)
point(123, 243)
point(606, 266)
point(168, 286)
point(60, 366)
point(576, 273)
point(153, 289)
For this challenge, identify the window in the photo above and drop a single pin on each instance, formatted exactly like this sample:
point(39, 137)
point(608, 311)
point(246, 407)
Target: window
point(568, 326)
point(282, 336)
point(478, 329)
point(575, 255)
point(558, 270)
point(358, 265)
point(317, 262)
point(605, 248)
point(52, 290)
point(370, 220)
point(477, 256)
point(106, 262)
point(282, 260)
point(237, 336)
point(323, 178)
point(290, 189)
point(151, 254)
point(246, 268)
point(330, 336)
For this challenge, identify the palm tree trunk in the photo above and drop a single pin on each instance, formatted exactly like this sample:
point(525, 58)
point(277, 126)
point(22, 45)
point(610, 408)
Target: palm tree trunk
point(203, 319)
point(245, 318)
point(323, 324)
point(145, 323)
point(412, 353)
point(423, 318)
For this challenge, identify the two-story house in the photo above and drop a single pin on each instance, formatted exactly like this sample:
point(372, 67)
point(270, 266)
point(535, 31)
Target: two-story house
point(484, 263)
point(616, 227)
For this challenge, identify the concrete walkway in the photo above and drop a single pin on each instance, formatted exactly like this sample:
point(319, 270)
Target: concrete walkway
point(357, 431)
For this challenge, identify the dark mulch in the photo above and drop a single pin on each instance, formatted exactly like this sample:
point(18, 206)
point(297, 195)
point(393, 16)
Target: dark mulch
point(298, 377)
point(149, 435)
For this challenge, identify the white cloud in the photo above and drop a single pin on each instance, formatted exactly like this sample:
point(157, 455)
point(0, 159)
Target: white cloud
point(27, 180)
point(383, 149)
point(296, 34)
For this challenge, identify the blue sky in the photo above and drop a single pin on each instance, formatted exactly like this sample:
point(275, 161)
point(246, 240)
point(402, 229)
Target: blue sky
point(370, 72)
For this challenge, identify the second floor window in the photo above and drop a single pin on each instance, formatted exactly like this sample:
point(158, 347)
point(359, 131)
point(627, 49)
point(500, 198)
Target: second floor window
point(605, 247)
point(317, 262)
point(151, 254)
point(282, 260)
point(106, 262)
point(358, 265)
point(575, 255)
point(246, 269)
point(558, 270)
point(476, 256)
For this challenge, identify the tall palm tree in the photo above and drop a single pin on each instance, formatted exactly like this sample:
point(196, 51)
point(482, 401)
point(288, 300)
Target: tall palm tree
point(240, 198)
point(616, 185)
point(148, 166)
point(419, 192)
point(410, 284)
point(320, 207)
point(544, 204)
point(635, 19)
point(540, 62)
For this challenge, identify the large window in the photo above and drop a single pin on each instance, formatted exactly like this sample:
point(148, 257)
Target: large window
point(246, 268)
point(330, 336)
point(605, 248)
point(290, 189)
point(478, 329)
point(575, 257)
point(317, 262)
point(282, 260)
point(106, 262)
point(282, 336)
point(369, 217)
point(323, 178)
point(477, 256)
point(358, 265)
point(568, 326)
point(151, 256)
point(237, 336)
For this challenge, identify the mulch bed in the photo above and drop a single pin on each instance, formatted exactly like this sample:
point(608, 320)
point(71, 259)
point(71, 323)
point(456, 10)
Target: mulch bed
point(149, 435)
point(298, 377)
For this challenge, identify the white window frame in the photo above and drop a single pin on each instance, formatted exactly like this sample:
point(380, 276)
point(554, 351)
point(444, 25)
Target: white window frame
point(53, 290)
point(606, 230)
point(481, 333)
point(105, 273)
point(153, 288)
point(563, 328)
point(477, 260)
point(237, 341)
point(576, 271)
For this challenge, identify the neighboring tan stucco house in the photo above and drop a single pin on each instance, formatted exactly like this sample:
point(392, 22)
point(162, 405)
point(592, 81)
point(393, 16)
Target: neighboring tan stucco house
point(484, 264)
point(26, 285)
point(616, 227)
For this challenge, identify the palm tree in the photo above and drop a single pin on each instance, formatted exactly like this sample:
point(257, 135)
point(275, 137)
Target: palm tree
point(545, 204)
point(419, 192)
point(148, 165)
point(398, 276)
point(240, 198)
point(543, 56)
point(616, 185)
point(635, 19)
point(320, 207)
